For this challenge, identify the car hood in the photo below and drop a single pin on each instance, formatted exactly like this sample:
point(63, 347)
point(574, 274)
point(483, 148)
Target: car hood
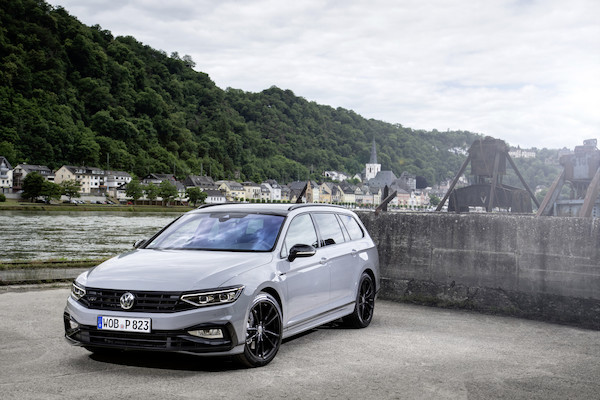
point(171, 270)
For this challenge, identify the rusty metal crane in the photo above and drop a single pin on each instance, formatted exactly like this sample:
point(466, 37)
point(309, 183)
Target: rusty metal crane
point(581, 171)
point(488, 164)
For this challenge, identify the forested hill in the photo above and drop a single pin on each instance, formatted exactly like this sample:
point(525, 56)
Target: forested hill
point(73, 94)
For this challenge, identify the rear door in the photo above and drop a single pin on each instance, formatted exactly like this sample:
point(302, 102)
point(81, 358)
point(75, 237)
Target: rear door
point(338, 251)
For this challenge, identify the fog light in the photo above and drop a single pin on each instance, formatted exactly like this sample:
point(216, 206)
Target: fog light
point(73, 324)
point(207, 333)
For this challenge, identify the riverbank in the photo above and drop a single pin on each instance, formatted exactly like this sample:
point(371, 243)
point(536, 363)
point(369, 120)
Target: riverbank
point(49, 264)
point(42, 272)
point(12, 205)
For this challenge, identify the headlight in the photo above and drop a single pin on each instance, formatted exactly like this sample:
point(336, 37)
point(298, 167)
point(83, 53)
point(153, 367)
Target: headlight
point(77, 291)
point(213, 297)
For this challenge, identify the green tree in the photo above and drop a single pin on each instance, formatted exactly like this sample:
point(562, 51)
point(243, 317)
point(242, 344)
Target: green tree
point(151, 191)
point(196, 194)
point(32, 186)
point(71, 188)
point(134, 190)
point(51, 191)
point(434, 200)
point(167, 191)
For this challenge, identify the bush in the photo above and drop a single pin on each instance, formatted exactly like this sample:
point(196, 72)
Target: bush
point(2, 198)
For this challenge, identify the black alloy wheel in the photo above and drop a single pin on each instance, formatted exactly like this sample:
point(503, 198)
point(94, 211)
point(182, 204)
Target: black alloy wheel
point(263, 331)
point(365, 303)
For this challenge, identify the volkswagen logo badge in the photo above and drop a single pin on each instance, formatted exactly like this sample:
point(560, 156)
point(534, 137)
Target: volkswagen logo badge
point(127, 300)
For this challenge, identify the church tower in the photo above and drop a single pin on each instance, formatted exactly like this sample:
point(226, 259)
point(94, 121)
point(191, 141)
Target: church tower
point(372, 168)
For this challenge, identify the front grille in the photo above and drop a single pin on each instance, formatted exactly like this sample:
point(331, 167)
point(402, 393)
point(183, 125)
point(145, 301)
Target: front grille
point(149, 302)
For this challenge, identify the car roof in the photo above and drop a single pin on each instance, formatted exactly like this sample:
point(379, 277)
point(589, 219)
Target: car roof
point(266, 208)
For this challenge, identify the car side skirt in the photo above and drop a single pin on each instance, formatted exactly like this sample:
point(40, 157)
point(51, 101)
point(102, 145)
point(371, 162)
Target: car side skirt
point(317, 320)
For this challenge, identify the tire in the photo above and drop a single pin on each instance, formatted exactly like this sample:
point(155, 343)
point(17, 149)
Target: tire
point(365, 304)
point(263, 332)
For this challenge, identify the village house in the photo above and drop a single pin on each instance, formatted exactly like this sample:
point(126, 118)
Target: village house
point(407, 181)
point(364, 197)
point(114, 179)
point(214, 197)
point(265, 192)
point(308, 191)
point(252, 191)
point(285, 194)
point(91, 179)
point(402, 197)
point(203, 182)
point(157, 179)
point(325, 189)
point(274, 189)
point(5, 175)
point(348, 194)
point(233, 191)
point(336, 175)
point(21, 171)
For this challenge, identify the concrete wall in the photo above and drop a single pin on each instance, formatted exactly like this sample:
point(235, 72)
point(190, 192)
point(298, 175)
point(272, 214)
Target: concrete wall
point(536, 267)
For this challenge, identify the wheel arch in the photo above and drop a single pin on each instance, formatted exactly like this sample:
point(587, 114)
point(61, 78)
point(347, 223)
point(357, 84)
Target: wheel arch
point(273, 292)
point(369, 271)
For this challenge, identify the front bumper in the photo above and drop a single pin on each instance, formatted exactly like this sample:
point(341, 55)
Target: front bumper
point(169, 331)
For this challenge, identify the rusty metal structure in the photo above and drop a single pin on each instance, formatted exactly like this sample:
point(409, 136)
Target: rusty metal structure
point(581, 172)
point(488, 158)
point(387, 197)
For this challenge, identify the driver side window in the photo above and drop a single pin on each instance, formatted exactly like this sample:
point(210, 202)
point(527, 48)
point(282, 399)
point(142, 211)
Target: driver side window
point(301, 231)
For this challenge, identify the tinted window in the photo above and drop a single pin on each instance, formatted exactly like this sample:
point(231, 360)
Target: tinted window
point(301, 231)
point(331, 232)
point(221, 231)
point(352, 227)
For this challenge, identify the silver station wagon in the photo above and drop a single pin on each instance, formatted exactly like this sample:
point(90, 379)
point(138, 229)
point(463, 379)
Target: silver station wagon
point(232, 279)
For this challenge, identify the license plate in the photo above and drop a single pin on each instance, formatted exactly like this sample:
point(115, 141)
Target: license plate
point(140, 325)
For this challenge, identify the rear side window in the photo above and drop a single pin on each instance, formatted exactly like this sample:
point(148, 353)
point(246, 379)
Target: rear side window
point(329, 227)
point(352, 226)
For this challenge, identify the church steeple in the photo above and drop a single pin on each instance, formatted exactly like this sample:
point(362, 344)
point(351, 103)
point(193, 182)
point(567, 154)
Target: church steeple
point(373, 159)
point(373, 167)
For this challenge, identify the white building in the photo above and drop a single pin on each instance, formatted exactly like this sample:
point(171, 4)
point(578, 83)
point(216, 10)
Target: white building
point(5, 175)
point(114, 179)
point(274, 189)
point(519, 153)
point(93, 180)
point(372, 167)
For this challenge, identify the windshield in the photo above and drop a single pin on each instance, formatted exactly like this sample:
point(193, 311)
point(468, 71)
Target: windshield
point(228, 231)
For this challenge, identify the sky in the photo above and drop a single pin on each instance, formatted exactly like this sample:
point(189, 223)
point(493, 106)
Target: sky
point(524, 71)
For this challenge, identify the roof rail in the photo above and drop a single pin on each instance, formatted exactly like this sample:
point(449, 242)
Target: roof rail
point(301, 205)
point(210, 205)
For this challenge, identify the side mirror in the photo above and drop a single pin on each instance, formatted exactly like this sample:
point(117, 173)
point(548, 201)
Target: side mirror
point(139, 243)
point(301, 250)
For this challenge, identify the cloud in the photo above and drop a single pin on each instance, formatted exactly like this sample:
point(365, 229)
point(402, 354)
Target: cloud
point(523, 71)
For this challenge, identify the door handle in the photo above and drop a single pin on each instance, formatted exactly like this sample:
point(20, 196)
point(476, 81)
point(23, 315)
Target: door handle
point(323, 260)
point(354, 252)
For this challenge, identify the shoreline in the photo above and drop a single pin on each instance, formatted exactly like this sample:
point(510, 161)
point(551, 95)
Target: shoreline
point(92, 207)
point(37, 272)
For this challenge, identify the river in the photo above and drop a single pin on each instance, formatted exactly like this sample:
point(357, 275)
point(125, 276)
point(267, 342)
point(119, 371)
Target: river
point(39, 235)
